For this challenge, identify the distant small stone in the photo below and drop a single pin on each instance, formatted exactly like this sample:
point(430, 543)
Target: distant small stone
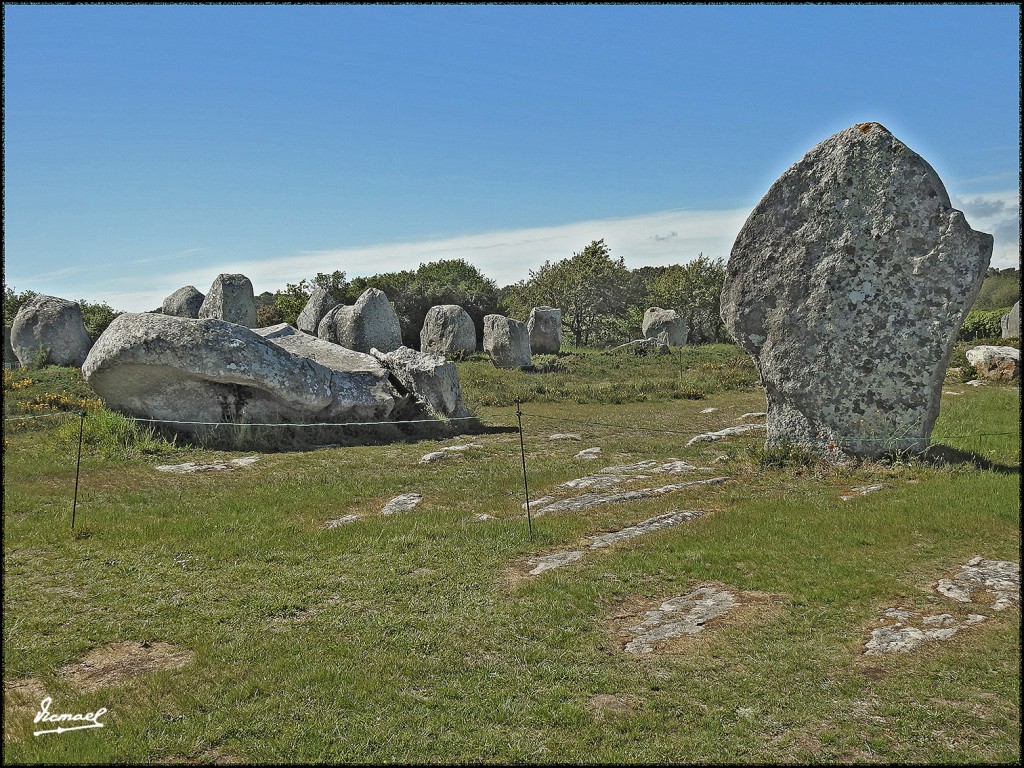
point(184, 302)
point(588, 453)
point(722, 434)
point(344, 519)
point(402, 503)
point(665, 325)
point(555, 560)
point(565, 436)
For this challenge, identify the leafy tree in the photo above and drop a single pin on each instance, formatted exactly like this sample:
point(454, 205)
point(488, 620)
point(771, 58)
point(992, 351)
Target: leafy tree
point(97, 317)
point(588, 288)
point(694, 290)
point(448, 281)
point(291, 301)
point(1000, 289)
point(13, 302)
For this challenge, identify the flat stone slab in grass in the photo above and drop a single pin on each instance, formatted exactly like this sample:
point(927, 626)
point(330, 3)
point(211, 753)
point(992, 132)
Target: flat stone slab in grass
point(650, 525)
point(343, 520)
point(999, 577)
point(588, 454)
point(565, 436)
point(860, 490)
point(189, 467)
point(722, 434)
point(542, 563)
point(683, 615)
point(591, 500)
point(901, 636)
point(402, 503)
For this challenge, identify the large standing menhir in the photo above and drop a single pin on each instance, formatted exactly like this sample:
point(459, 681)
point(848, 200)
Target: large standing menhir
point(848, 285)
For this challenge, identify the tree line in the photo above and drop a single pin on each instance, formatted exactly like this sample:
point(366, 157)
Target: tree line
point(602, 301)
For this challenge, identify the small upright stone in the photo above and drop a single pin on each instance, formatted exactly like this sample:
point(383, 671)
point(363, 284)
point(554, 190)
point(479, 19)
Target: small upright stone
point(230, 298)
point(665, 325)
point(50, 330)
point(848, 285)
point(1010, 323)
point(507, 342)
point(319, 304)
point(545, 326)
point(448, 330)
point(184, 302)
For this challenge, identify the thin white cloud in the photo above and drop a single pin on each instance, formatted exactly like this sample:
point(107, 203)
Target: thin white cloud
point(505, 256)
point(997, 213)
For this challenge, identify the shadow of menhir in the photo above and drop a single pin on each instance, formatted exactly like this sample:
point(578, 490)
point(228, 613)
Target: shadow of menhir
point(944, 455)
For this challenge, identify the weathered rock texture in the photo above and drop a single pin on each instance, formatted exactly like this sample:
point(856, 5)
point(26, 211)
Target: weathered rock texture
point(665, 325)
point(319, 304)
point(230, 298)
point(448, 330)
point(507, 342)
point(1010, 323)
point(184, 302)
point(431, 379)
point(545, 327)
point(10, 359)
point(179, 370)
point(50, 330)
point(848, 285)
point(995, 362)
point(371, 323)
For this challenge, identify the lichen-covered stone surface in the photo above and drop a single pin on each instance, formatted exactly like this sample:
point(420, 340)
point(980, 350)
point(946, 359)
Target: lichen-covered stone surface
point(184, 302)
point(848, 285)
point(50, 330)
point(507, 342)
point(545, 327)
point(320, 302)
point(1010, 323)
point(448, 330)
point(230, 298)
point(371, 323)
point(991, 362)
point(683, 615)
point(665, 325)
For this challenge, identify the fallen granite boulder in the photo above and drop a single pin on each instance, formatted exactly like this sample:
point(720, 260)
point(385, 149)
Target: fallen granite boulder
point(1000, 363)
point(848, 285)
point(191, 375)
point(50, 330)
point(431, 379)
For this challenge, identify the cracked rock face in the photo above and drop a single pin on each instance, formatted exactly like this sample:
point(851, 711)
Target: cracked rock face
point(230, 298)
point(848, 285)
point(50, 327)
point(448, 330)
point(545, 327)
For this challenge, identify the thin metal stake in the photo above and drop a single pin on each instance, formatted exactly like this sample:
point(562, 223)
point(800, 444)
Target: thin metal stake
point(522, 451)
point(78, 467)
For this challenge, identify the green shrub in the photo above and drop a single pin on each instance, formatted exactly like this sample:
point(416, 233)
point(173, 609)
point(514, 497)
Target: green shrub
point(983, 324)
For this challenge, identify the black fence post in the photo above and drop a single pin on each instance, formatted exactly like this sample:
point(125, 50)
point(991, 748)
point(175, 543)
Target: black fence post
point(522, 451)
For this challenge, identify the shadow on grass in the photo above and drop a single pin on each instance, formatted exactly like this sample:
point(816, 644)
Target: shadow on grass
point(239, 436)
point(939, 455)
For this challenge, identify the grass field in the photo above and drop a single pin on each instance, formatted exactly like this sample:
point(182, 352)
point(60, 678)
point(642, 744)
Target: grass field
point(219, 618)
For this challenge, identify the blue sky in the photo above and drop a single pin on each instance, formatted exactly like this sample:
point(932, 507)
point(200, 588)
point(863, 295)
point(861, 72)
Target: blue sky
point(151, 147)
